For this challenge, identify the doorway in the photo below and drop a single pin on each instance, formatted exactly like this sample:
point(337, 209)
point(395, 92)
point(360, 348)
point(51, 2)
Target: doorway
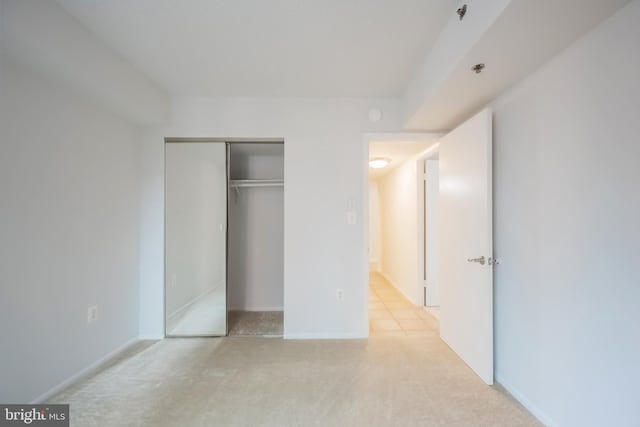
point(396, 231)
point(465, 250)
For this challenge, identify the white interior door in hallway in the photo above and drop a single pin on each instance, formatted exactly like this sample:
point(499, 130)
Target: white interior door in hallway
point(466, 245)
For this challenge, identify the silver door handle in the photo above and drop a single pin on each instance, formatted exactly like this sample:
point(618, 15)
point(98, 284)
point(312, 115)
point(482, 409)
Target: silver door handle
point(482, 260)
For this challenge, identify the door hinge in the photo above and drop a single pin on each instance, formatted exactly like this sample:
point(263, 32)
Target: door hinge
point(424, 295)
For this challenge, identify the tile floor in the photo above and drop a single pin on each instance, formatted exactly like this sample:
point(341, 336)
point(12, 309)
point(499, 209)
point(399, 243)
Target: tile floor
point(391, 314)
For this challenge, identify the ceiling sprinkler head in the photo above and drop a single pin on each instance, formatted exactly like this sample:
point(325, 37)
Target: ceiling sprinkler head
point(478, 68)
point(462, 11)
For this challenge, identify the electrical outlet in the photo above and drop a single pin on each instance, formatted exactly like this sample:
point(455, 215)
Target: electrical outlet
point(92, 314)
point(340, 295)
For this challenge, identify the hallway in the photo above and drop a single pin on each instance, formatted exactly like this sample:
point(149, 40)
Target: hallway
point(391, 314)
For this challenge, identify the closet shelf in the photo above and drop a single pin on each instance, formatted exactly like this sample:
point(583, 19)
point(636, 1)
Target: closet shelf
point(239, 183)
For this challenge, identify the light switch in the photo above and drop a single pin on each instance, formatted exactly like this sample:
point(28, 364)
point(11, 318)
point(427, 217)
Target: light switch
point(352, 218)
point(352, 212)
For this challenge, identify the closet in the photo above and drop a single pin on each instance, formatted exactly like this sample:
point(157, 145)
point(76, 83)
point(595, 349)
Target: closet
point(256, 239)
point(224, 238)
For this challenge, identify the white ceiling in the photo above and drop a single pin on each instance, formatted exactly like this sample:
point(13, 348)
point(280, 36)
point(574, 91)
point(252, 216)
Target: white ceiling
point(525, 35)
point(327, 48)
point(397, 151)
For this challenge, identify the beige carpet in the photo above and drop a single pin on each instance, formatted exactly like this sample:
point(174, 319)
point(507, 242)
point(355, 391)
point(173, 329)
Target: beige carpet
point(384, 381)
point(256, 323)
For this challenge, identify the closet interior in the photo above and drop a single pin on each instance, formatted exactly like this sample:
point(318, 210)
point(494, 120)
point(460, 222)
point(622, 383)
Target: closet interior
point(256, 239)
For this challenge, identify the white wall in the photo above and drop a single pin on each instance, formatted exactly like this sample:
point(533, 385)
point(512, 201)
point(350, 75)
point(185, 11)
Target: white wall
point(69, 227)
point(324, 161)
point(399, 219)
point(256, 233)
point(43, 36)
point(566, 226)
point(375, 227)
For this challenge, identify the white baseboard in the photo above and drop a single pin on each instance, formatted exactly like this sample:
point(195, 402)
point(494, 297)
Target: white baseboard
point(384, 275)
point(410, 299)
point(541, 416)
point(434, 311)
point(84, 372)
point(255, 309)
point(151, 337)
point(326, 336)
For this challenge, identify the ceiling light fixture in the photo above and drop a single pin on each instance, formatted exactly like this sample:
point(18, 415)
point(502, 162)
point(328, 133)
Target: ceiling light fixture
point(379, 162)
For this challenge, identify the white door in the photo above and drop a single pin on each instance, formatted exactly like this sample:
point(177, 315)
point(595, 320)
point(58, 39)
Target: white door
point(466, 244)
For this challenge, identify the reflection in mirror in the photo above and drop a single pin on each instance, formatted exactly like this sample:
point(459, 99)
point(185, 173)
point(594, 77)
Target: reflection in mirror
point(195, 239)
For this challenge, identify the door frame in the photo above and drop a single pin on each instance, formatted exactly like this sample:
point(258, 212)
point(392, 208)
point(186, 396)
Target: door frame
point(399, 137)
point(422, 208)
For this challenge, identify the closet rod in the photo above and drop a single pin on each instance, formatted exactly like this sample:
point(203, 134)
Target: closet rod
point(256, 183)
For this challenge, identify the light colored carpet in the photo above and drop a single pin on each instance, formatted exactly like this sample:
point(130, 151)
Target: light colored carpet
point(383, 381)
point(256, 323)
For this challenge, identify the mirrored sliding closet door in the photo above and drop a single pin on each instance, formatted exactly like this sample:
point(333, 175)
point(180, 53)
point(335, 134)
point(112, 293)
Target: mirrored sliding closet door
point(195, 239)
